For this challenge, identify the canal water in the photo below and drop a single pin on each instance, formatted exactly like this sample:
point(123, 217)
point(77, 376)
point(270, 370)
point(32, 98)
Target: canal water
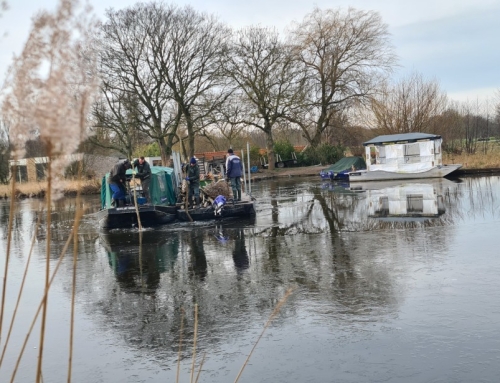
point(378, 282)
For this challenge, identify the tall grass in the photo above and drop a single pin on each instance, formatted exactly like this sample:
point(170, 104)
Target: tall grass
point(478, 160)
point(47, 95)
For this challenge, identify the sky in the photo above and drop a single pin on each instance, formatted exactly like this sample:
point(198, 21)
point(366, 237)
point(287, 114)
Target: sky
point(454, 42)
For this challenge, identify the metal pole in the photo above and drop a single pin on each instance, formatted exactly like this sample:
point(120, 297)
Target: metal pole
point(244, 175)
point(248, 159)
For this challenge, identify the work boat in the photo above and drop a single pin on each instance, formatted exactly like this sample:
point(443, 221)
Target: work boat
point(160, 209)
point(403, 156)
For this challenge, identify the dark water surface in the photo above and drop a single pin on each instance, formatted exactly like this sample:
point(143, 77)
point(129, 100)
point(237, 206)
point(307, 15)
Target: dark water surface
point(391, 283)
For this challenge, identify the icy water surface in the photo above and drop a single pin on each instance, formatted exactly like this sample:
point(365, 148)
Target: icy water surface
point(392, 282)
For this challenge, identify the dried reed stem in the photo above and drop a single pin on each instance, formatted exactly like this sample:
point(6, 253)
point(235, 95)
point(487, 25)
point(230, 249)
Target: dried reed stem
point(47, 268)
point(7, 255)
point(201, 365)
point(78, 217)
point(273, 314)
point(180, 347)
point(56, 268)
point(195, 335)
point(21, 287)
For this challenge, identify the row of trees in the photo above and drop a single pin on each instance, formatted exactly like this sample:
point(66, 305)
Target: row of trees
point(171, 73)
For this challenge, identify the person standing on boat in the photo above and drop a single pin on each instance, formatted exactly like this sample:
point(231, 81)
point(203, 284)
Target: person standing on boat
point(144, 174)
point(116, 180)
point(234, 170)
point(193, 177)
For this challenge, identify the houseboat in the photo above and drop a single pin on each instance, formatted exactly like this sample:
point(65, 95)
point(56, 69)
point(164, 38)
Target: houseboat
point(403, 156)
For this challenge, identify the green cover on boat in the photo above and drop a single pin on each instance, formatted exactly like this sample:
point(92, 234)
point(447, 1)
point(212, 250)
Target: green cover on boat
point(162, 187)
point(347, 163)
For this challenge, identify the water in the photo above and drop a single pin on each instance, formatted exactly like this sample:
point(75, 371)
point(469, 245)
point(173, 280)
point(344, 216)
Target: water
point(390, 283)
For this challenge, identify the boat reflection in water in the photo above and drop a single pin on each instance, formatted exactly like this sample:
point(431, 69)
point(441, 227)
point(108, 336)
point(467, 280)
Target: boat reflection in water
point(138, 259)
point(411, 201)
point(383, 204)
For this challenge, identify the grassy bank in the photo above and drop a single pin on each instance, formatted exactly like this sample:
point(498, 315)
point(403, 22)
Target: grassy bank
point(491, 160)
point(37, 189)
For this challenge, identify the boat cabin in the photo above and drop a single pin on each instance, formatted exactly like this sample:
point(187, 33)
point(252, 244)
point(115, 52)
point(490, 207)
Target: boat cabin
point(403, 153)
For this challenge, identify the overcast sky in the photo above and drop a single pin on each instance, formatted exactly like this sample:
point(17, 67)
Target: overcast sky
point(455, 42)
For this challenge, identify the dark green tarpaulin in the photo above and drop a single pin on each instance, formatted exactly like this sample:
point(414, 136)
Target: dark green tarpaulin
point(162, 187)
point(347, 163)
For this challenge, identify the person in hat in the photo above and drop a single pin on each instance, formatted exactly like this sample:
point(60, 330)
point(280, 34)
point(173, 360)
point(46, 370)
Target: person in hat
point(234, 170)
point(144, 174)
point(117, 179)
point(193, 178)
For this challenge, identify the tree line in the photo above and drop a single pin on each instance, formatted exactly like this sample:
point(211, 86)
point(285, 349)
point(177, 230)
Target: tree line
point(176, 77)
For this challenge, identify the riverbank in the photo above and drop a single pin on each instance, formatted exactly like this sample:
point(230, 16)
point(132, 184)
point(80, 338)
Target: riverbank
point(37, 189)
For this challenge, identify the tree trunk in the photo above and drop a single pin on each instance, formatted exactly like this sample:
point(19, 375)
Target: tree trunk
point(270, 150)
point(165, 152)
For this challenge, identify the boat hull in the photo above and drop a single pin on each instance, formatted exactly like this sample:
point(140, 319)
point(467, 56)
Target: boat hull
point(126, 217)
point(238, 209)
point(380, 175)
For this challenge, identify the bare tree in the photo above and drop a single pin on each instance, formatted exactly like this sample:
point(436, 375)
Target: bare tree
point(227, 123)
point(191, 56)
point(267, 78)
point(346, 55)
point(132, 42)
point(116, 122)
point(408, 106)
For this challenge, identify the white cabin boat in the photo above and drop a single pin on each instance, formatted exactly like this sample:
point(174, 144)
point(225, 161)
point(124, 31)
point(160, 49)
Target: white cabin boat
point(403, 156)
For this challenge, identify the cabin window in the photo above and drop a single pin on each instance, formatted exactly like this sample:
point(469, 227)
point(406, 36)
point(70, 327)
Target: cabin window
point(156, 163)
point(412, 153)
point(415, 203)
point(383, 207)
point(373, 155)
point(381, 155)
point(437, 147)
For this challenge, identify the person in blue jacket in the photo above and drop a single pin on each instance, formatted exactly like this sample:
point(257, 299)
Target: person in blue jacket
point(117, 179)
point(234, 170)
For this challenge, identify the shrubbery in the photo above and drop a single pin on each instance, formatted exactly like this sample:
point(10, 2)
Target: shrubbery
point(322, 154)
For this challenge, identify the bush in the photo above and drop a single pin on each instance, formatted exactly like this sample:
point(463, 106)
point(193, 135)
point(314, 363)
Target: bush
point(284, 149)
point(150, 150)
point(322, 154)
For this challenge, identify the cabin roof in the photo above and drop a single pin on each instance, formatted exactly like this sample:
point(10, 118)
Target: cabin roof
point(410, 137)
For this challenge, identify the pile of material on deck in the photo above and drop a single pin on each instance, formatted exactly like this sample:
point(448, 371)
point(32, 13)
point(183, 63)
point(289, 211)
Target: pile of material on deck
point(214, 189)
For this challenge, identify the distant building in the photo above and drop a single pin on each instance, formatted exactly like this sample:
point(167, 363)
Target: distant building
point(35, 169)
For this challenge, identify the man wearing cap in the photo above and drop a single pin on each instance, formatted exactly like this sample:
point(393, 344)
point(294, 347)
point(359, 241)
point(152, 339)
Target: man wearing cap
point(144, 174)
point(116, 180)
point(234, 170)
point(193, 177)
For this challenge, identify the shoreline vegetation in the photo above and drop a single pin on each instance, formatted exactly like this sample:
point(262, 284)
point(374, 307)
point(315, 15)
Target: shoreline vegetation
point(471, 164)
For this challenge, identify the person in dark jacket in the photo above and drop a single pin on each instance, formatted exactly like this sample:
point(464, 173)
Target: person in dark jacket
point(144, 174)
point(234, 170)
point(117, 179)
point(193, 177)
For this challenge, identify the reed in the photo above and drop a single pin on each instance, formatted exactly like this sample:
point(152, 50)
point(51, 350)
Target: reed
point(39, 189)
point(478, 160)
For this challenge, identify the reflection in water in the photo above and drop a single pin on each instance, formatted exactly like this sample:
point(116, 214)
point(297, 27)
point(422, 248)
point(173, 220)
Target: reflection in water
point(378, 274)
point(138, 259)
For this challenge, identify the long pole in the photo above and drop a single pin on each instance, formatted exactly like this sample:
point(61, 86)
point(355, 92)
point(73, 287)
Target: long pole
point(244, 175)
point(248, 160)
